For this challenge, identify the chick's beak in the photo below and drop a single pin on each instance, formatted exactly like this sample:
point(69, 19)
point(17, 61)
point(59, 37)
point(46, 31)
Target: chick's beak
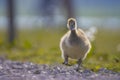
point(72, 27)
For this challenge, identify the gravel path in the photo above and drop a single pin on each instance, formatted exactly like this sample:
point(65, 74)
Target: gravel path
point(12, 70)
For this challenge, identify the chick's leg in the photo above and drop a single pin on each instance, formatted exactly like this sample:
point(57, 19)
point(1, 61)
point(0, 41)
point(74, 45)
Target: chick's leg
point(65, 60)
point(79, 64)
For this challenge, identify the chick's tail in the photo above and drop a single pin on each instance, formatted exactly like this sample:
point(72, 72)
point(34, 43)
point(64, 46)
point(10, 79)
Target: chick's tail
point(91, 32)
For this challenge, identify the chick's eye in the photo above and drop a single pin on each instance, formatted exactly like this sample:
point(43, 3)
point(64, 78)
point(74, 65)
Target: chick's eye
point(70, 23)
point(73, 23)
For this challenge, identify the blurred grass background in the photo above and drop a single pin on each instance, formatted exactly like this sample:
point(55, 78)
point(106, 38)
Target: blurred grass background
point(42, 46)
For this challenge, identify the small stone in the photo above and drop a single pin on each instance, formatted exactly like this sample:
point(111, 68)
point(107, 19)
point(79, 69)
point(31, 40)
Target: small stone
point(37, 72)
point(1, 67)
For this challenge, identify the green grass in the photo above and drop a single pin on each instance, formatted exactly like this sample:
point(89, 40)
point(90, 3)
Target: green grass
point(42, 46)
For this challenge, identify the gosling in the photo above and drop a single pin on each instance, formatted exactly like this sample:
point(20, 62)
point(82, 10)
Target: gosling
point(74, 44)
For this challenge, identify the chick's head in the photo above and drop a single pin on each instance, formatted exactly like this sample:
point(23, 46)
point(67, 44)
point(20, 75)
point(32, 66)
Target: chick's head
point(71, 24)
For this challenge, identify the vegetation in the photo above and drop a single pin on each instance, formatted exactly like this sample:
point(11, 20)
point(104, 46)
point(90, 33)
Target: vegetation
point(42, 46)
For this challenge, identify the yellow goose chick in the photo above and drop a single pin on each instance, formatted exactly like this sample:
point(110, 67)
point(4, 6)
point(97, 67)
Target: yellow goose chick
point(74, 44)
